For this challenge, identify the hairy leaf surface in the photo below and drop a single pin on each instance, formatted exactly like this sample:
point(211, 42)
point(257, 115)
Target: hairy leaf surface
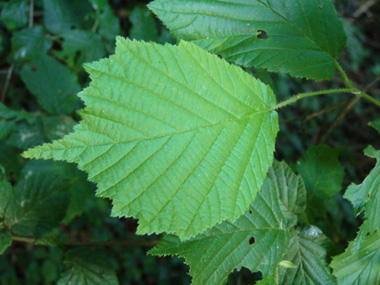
point(359, 266)
point(175, 136)
point(257, 240)
point(302, 38)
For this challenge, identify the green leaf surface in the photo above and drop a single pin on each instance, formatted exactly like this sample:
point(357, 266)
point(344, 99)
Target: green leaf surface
point(306, 251)
point(64, 15)
point(39, 202)
point(143, 25)
point(109, 24)
point(56, 127)
point(15, 14)
point(26, 136)
point(5, 241)
point(366, 197)
point(16, 115)
point(173, 135)
point(321, 171)
point(302, 38)
point(359, 266)
point(30, 43)
point(84, 266)
point(57, 94)
point(5, 129)
point(257, 240)
point(375, 124)
point(80, 46)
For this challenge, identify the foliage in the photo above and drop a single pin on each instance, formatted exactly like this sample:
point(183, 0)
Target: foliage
point(180, 133)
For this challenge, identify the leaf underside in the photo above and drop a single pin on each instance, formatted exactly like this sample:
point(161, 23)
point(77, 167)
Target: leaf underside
point(302, 38)
point(175, 136)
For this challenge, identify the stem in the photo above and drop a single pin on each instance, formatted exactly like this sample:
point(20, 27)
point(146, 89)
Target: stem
point(310, 94)
point(344, 75)
point(369, 98)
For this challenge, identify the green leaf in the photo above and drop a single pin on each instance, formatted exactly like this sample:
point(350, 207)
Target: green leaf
point(64, 15)
point(306, 251)
point(267, 280)
point(321, 171)
point(25, 136)
point(173, 135)
point(9, 114)
point(366, 197)
point(359, 266)
point(302, 38)
point(30, 43)
point(15, 14)
point(257, 240)
point(6, 192)
point(84, 266)
point(56, 127)
point(109, 24)
point(5, 129)
point(57, 94)
point(80, 46)
point(38, 204)
point(5, 241)
point(143, 25)
point(375, 124)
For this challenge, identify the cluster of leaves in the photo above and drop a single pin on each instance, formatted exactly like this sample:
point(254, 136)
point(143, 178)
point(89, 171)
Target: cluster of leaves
point(183, 140)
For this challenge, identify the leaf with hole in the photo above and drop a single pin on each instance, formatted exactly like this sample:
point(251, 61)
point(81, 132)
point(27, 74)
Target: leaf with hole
point(175, 136)
point(302, 38)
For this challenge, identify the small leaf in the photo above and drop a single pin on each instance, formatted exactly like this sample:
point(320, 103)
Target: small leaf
point(57, 94)
point(30, 43)
point(359, 266)
point(38, 203)
point(321, 171)
point(257, 240)
point(64, 15)
point(302, 38)
point(6, 192)
point(84, 266)
point(5, 241)
point(173, 135)
point(306, 253)
point(143, 25)
point(375, 124)
point(15, 14)
point(109, 24)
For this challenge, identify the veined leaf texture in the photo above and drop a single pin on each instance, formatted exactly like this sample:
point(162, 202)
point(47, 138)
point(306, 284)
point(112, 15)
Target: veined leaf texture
point(174, 135)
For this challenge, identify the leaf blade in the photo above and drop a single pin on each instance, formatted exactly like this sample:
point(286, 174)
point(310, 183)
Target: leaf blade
point(179, 163)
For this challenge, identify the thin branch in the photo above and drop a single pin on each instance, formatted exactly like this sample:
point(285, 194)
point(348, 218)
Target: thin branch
point(143, 243)
point(7, 80)
point(31, 11)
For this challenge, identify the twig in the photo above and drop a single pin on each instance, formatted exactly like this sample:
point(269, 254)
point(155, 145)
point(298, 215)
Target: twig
point(144, 243)
point(31, 11)
point(8, 78)
point(363, 8)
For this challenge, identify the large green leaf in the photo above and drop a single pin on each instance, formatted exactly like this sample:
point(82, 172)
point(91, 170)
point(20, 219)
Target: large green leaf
point(302, 38)
point(366, 197)
point(359, 266)
point(306, 251)
point(257, 240)
point(84, 266)
point(15, 14)
point(175, 136)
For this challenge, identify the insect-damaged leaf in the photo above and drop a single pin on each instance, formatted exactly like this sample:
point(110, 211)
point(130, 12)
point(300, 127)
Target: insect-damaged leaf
point(175, 136)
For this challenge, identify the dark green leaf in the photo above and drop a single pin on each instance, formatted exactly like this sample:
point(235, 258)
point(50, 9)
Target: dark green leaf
point(39, 202)
point(30, 43)
point(302, 38)
point(15, 14)
point(109, 24)
point(143, 25)
point(375, 124)
point(9, 114)
point(63, 15)
point(56, 127)
point(80, 46)
point(26, 136)
point(321, 171)
point(5, 129)
point(57, 94)
point(84, 266)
